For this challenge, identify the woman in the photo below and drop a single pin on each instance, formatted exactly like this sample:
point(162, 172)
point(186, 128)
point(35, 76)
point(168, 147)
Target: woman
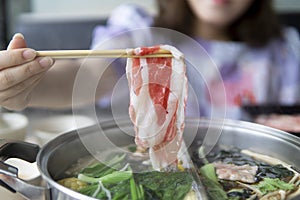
point(257, 60)
point(222, 20)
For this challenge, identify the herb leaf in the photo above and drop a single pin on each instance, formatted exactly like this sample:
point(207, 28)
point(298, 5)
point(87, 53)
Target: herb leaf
point(270, 185)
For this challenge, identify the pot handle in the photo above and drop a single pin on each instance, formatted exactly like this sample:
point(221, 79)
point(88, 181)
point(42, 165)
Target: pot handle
point(17, 149)
point(9, 174)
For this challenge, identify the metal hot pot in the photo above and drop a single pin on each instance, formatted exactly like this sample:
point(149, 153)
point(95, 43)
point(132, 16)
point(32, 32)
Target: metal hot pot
point(60, 153)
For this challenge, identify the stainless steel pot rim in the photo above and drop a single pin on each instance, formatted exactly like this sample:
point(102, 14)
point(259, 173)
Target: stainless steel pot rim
point(215, 123)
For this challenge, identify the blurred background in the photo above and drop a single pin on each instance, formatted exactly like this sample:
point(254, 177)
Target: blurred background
point(55, 19)
point(56, 24)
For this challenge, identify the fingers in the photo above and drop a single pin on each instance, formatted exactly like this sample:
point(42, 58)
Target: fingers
point(20, 87)
point(15, 75)
point(17, 42)
point(20, 72)
point(16, 57)
point(19, 99)
point(16, 53)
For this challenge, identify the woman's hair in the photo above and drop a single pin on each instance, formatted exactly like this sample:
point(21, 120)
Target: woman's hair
point(256, 27)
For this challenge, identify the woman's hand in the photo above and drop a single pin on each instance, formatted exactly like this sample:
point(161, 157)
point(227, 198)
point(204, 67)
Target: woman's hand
point(20, 72)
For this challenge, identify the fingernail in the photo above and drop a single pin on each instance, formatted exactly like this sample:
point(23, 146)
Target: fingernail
point(46, 62)
point(29, 54)
point(18, 35)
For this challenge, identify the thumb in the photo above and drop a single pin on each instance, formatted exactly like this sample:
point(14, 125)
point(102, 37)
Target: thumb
point(17, 41)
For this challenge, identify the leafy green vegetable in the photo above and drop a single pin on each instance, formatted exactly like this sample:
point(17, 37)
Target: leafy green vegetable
point(100, 169)
point(276, 171)
point(89, 190)
point(270, 185)
point(126, 185)
point(149, 185)
point(209, 172)
point(165, 185)
point(210, 180)
point(269, 176)
point(118, 191)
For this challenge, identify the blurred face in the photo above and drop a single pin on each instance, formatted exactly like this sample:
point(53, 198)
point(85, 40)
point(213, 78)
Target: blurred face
point(219, 12)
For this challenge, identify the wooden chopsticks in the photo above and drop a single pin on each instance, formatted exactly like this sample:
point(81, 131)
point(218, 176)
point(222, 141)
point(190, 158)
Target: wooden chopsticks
point(117, 53)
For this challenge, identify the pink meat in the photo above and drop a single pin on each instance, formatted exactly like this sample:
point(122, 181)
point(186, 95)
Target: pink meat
point(158, 92)
point(289, 123)
point(244, 173)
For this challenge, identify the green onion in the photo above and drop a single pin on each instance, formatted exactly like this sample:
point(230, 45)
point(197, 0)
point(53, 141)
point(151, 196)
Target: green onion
point(202, 155)
point(112, 178)
point(133, 189)
point(141, 194)
point(137, 191)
